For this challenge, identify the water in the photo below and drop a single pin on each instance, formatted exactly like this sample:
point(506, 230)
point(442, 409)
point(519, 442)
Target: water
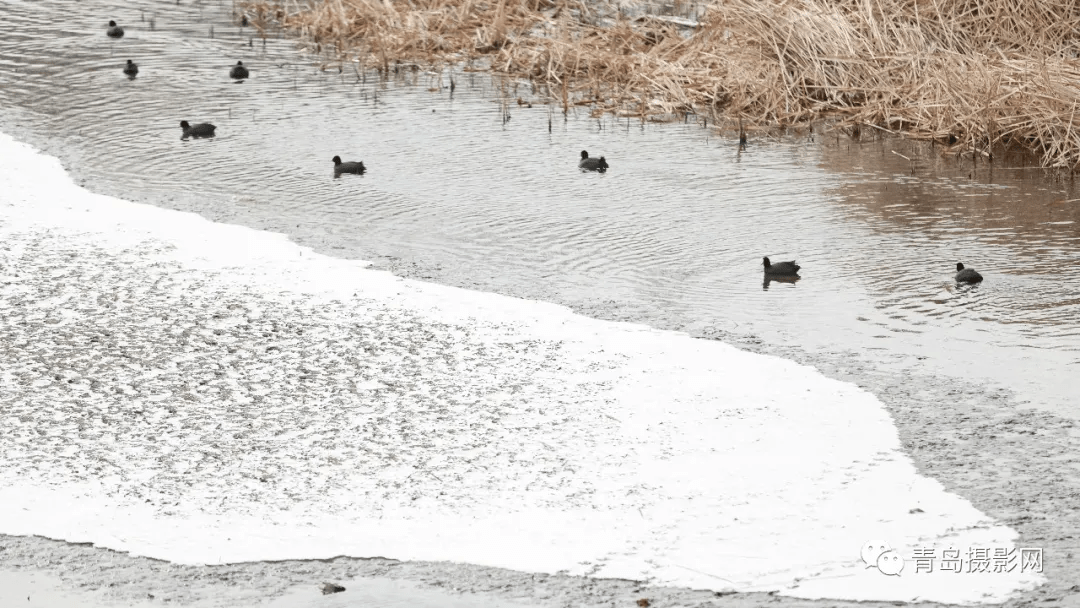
point(32, 589)
point(35, 589)
point(389, 593)
point(671, 236)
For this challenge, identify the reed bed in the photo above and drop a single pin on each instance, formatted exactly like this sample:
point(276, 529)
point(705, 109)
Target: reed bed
point(979, 76)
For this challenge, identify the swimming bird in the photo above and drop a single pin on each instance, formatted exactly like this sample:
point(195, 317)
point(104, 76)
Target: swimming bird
point(350, 167)
point(592, 164)
point(238, 71)
point(200, 130)
point(131, 69)
point(114, 31)
point(781, 268)
point(966, 275)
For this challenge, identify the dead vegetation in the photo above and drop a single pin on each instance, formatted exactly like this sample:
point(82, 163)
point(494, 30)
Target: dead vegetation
point(978, 76)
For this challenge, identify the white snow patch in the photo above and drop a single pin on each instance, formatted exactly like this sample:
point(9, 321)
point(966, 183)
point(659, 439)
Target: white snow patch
point(230, 399)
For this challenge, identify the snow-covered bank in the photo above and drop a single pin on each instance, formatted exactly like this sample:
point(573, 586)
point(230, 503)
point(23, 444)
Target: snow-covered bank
point(202, 393)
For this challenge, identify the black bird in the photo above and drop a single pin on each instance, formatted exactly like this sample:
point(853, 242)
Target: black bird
point(350, 167)
point(114, 31)
point(781, 268)
point(238, 71)
point(966, 275)
point(592, 164)
point(131, 69)
point(200, 130)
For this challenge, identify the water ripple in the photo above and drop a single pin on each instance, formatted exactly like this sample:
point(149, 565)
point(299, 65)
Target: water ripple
point(672, 235)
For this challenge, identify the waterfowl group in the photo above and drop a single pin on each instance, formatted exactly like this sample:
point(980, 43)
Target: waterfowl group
point(238, 71)
point(777, 271)
point(197, 131)
point(791, 269)
point(592, 164)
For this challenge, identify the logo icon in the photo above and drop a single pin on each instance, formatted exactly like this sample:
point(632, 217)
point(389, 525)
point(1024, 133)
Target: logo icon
point(879, 554)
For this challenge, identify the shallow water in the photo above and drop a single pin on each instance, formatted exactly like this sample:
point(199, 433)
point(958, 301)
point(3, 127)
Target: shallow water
point(39, 590)
point(672, 235)
point(387, 593)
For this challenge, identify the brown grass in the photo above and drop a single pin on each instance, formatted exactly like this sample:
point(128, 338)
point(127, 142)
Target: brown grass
point(976, 75)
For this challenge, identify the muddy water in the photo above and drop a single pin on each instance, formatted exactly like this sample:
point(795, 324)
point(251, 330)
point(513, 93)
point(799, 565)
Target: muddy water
point(466, 190)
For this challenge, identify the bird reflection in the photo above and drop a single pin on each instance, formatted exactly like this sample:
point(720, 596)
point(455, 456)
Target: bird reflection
point(781, 279)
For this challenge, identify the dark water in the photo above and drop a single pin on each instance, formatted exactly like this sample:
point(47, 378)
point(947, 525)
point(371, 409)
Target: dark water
point(672, 235)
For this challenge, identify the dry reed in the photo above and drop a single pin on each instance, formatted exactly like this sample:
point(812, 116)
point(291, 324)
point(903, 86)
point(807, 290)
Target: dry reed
point(977, 75)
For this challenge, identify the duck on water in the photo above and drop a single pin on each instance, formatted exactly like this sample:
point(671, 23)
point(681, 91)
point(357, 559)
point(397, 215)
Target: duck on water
point(967, 275)
point(114, 31)
point(204, 129)
point(349, 167)
point(131, 70)
point(238, 71)
point(780, 268)
point(592, 164)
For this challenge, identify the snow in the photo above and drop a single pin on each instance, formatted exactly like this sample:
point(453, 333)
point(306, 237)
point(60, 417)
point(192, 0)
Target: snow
point(206, 393)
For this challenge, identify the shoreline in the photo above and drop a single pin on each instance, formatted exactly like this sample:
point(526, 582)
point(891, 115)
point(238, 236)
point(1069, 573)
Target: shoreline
point(769, 65)
point(100, 578)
